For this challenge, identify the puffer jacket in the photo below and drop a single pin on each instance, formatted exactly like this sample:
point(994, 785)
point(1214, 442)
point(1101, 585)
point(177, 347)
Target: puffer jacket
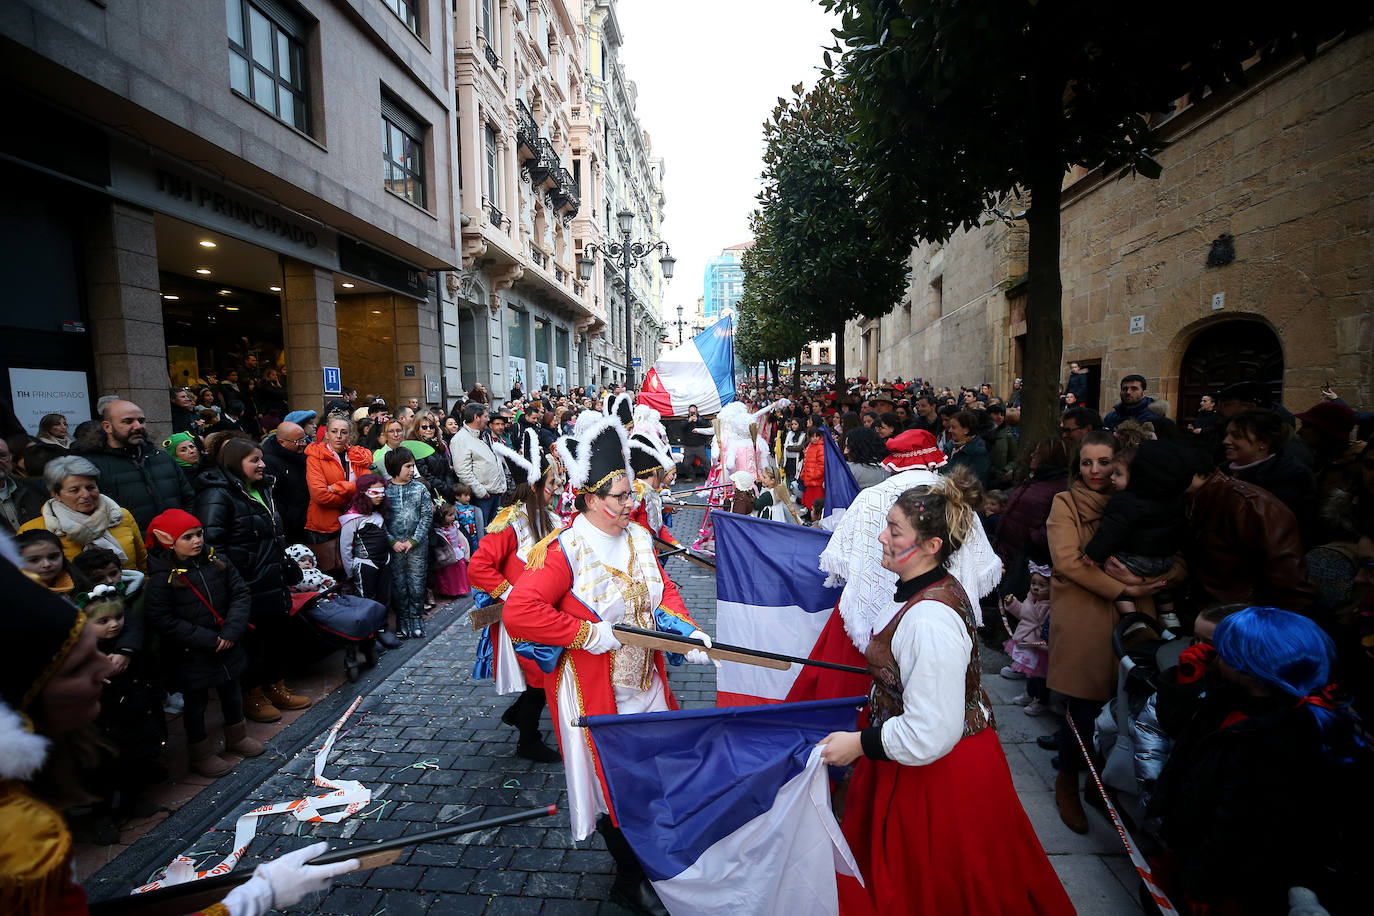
point(144, 480)
point(248, 534)
point(330, 489)
point(191, 629)
point(291, 493)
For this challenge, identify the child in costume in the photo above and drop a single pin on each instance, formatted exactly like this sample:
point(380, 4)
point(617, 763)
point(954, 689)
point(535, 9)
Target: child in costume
point(451, 556)
point(1028, 645)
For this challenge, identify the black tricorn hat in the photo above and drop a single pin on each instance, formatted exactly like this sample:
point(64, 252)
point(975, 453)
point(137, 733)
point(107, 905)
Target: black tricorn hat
point(648, 455)
point(48, 628)
point(528, 465)
point(597, 455)
point(622, 407)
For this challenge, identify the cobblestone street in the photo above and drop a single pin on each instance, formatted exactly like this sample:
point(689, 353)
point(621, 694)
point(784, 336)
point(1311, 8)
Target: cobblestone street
point(428, 741)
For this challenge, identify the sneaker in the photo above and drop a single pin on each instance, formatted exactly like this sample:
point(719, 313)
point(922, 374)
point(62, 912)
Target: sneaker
point(1170, 622)
point(1012, 675)
point(1035, 708)
point(1022, 699)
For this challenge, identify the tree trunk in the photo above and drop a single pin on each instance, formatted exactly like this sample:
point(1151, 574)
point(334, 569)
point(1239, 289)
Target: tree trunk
point(1044, 287)
point(797, 374)
point(841, 389)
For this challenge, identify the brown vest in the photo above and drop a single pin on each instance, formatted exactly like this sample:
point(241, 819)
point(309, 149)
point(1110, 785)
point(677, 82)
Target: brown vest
point(885, 699)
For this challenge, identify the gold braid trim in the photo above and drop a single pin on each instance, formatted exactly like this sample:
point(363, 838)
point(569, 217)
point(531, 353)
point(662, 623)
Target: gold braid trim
point(593, 487)
point(503, 518)
point(55, 662)
point(36, 849)
point(640, 488)
point(539, 552)
point(584, 632)
point(214, 909)
point(501, 589)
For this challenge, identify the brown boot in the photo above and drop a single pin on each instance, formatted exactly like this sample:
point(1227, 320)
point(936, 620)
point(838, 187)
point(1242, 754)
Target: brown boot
point(257, 707)
point(282, 698)
point(236, 741)
point(205, 761)
point(1069, 804)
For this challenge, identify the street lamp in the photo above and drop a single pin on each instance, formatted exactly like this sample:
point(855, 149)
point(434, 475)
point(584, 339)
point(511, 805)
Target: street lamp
point(626, 254)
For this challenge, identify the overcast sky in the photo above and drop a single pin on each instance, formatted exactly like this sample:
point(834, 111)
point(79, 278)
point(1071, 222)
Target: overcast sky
point(709, 73)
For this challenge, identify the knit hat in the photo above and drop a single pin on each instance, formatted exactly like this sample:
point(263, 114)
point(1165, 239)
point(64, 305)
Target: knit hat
point(169, 525)
point(300, 416)
point(914, 448)
point(169, 445)
point(1332, 420)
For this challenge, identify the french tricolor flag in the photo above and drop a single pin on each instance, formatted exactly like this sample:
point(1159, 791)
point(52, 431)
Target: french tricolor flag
point(771, 595)
point(700, 372)
point(729, 810)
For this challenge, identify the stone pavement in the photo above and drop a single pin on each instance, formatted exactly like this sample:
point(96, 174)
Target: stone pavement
point(428, 741)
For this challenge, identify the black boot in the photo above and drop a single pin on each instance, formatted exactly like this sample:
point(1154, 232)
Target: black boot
point(531, 745)
point(388, 639)
point(631, 888)
point(369, 647)
point(351, 663)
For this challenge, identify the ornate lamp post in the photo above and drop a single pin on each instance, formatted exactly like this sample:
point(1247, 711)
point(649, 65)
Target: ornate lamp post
point(626, 254)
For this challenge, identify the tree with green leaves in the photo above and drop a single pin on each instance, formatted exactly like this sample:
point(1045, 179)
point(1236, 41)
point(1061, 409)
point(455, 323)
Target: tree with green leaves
point(816, 263)
point(959, 104)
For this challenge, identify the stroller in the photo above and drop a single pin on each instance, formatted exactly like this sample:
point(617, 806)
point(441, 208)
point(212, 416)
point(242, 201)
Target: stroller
point(347, 621)
point(1129, 741)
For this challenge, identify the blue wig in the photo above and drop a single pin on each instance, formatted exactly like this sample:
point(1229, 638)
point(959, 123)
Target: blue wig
point(1289, 652)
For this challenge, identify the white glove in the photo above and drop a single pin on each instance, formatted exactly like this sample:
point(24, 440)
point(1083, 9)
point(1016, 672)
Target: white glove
point(602, 639)
point(285, 881)
point(697, 656)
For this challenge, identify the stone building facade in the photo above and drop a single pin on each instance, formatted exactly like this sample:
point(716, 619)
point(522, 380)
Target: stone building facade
point(192, 182)
point(1252, 257)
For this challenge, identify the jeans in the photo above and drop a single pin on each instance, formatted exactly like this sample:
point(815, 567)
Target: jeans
point(408, 581)
point(489, 506)
point(1084, 714)
point(193, 716)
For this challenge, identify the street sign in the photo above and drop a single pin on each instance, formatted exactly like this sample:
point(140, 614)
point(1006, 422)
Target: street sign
point(333, 382)
point(636, 361)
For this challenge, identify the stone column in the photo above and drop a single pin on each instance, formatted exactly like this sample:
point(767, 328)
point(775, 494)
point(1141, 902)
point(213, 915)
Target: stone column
point(125, 300)
point(311, 335)
point(417, 344)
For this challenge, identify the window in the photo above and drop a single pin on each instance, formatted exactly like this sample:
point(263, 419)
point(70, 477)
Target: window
point(487, 31)
point(267, 59)
point(493, 174)
point(403, 152)
point(406, 10)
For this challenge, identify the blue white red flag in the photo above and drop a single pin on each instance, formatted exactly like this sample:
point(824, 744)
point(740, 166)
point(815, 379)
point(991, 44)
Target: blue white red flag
point(700, 372)
point(728, 810)
point(770, 595)
point(840, 486)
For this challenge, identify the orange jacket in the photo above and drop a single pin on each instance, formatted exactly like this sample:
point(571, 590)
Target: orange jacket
point(330, 490)
point(813, 465)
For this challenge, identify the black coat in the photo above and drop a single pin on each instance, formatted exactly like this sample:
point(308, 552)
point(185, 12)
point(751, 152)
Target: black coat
point(1147, 518)
point(248, 535)
point(189, 628)
point(1254, 808)
point(291, 493)
point(144, 480)
point(436, 471)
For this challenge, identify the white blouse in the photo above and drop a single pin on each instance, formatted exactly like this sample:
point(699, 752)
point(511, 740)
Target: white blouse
point(932, 649)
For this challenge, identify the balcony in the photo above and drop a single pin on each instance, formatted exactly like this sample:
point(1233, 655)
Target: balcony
point(539, 258)
point(526, 133)
point(491, 57)
point(543, 166)
point(496, 216)
point(564, 194)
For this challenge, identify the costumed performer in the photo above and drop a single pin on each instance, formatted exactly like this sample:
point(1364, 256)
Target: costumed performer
point(622, 408)
point(52, 690)
point(652, 464)
point(931, 814)
point(597, 572)
point(498, 564)
point(737, 446)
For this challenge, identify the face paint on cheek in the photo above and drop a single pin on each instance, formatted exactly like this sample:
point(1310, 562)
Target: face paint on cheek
point(607, 509)
point(901, 557)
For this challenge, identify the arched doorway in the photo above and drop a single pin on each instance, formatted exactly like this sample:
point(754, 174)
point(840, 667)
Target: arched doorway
point(1225, 353)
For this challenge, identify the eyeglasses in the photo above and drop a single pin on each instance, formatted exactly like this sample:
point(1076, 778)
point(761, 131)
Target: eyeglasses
point(426, 425)
point(621, 498)
point(301, 441)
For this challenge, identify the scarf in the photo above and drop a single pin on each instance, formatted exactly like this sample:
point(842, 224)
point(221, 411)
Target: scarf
point(86, 530)
point(1090, 505)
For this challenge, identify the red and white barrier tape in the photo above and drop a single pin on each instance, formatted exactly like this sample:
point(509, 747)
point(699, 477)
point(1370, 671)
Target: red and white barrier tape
point(349, 795)
point(1142, 867)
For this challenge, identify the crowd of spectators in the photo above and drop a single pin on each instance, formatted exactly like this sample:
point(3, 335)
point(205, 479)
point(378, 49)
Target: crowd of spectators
point(1243, 508)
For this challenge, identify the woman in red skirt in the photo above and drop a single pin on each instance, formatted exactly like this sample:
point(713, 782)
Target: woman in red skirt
point(931, 815)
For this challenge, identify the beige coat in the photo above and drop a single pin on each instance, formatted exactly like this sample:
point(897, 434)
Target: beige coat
point(1082, 615)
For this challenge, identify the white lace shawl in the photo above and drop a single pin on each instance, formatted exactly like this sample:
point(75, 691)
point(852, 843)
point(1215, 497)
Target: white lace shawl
point(855, 557)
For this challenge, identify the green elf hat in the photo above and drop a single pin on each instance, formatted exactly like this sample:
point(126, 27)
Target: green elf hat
point(170, 447)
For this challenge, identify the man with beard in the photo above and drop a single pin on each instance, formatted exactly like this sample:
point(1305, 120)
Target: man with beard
point(144, 480)
point(1134, 404)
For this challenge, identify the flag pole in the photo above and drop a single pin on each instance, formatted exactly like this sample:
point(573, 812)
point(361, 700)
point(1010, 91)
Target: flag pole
point(635, 636)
